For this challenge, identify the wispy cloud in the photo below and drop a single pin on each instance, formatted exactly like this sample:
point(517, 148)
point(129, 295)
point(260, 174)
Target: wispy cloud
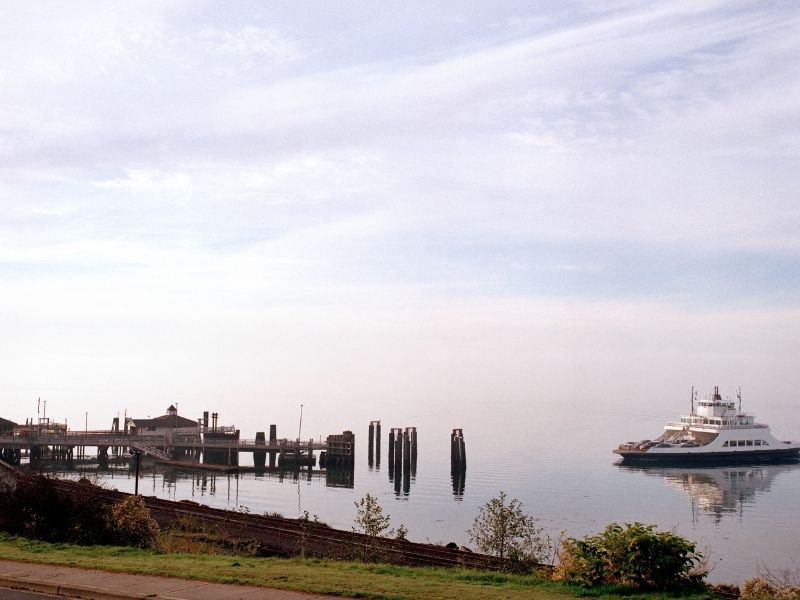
point(171, 162)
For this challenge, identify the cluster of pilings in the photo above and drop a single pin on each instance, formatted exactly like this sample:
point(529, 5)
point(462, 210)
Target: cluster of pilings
point(458, 461)
point(55, 452)
point(260, 456)
point(220, 456)
point(402, 458)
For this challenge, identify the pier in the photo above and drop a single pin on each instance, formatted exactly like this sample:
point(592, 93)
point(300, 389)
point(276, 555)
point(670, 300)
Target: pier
point(172, 439)
point(205, 448)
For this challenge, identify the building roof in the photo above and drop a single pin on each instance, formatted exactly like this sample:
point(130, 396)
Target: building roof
point(6, 423)
point(165, 422)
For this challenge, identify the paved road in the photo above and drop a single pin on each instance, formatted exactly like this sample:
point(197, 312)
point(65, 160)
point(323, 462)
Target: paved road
point(103, 585)
point(8, 594)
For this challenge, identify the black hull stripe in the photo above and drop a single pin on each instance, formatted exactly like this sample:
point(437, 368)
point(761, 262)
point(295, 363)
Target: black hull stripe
point(761, 455)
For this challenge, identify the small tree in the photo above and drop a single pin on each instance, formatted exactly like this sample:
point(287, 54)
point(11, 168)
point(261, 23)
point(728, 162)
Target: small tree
point(370, 519)
point(504, 530)
point(132, 523)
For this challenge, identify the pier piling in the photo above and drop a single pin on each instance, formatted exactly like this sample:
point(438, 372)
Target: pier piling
point(374, 444)
point(391, 451)
point(371, 444)
point(260, 456)
point(273, 439)
point(458, 461)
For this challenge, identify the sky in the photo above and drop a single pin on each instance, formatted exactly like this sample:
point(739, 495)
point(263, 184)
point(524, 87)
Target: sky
point(410, 208)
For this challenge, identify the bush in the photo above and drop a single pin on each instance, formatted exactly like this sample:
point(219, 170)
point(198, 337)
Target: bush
point(633, 555)
point(507, 532)
point(132, 524)
point(769, 587)
point(36, 509)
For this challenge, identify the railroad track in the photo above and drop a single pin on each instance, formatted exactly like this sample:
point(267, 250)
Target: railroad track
point(282, 536)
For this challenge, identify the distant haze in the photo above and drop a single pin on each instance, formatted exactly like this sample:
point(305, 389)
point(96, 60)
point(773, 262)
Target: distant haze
point(381, 210)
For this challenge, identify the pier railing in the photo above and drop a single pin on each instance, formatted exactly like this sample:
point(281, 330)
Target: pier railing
point(181, 441)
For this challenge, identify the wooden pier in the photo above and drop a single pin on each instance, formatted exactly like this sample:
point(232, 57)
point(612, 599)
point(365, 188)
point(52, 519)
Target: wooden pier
point(210, 447)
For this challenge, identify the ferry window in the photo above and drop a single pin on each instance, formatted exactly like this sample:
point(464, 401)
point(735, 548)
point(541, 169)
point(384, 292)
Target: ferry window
point(725, 445)
point(749, 442)
point(741, 442)
point(764, 443)
point(758, 442)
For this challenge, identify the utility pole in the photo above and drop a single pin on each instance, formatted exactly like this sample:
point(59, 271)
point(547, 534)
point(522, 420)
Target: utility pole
point(136, 456)
point(300, 428)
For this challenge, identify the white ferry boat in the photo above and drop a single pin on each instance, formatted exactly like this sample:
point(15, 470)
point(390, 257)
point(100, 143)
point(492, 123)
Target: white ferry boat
point(716, 431)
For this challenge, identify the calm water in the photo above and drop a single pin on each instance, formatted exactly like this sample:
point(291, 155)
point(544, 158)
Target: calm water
point(557, 461)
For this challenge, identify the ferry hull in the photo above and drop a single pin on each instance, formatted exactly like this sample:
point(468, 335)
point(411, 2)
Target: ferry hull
point(649, 457)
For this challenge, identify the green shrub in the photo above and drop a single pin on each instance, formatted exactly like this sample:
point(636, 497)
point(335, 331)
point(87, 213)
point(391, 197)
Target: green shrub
point(633, 555)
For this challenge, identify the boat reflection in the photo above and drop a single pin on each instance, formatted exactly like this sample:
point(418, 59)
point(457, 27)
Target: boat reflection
point(719, 491)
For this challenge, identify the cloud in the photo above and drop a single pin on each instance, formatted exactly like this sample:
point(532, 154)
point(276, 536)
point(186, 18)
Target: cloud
point(193, 179)
point(250, 41)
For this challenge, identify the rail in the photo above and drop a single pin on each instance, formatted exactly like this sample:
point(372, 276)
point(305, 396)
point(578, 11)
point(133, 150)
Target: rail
point(716, 427)
point(159, 441)
point(282, 536)
point(150, 450)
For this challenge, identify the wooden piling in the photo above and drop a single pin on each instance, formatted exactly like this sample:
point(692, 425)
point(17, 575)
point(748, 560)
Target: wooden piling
point(398, 452)
point(260, 456)
point(378, 443)
point(391, 451)
point(458, 454)
point(458, 461)
point(273, 438)
point(371, 444)
point(407, 451)
point(413, 451)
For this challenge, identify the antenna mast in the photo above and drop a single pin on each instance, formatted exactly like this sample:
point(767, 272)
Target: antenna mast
point(300, 428)
point(739, 395)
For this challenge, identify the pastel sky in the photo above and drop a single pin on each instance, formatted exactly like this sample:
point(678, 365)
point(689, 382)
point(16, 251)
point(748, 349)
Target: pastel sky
point(247, 206)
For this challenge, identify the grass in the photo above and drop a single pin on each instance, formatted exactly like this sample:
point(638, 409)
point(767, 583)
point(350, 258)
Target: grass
point(340, 578)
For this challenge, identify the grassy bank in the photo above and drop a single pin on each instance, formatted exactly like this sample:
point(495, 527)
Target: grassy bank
point(309, 575)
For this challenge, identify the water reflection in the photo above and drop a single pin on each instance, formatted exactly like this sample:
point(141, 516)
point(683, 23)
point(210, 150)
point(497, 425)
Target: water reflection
point(459, 479)
point(340, 477)
point(719, 491)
